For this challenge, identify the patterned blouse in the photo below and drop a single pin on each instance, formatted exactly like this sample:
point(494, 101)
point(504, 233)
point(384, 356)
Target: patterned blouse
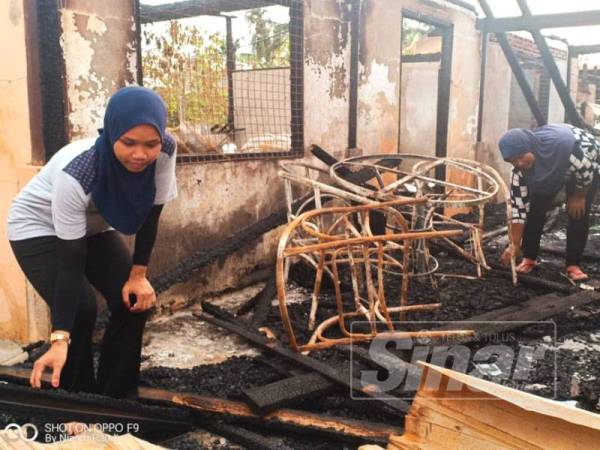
point(584, 162)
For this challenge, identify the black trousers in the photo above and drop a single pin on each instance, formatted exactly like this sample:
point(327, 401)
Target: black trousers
point(577, 230)
point(107, 269)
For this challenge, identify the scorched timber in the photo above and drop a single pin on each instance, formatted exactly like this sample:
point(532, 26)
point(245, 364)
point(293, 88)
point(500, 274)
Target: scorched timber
point(324, 369)
point(535, 309)
point(88, 409)
point(336, 426)
point(534, 281)
point(302, 421)
point(267, 398)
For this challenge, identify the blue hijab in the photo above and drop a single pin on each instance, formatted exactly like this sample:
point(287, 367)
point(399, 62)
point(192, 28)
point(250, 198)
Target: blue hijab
point(552, 146)
point(122, 197)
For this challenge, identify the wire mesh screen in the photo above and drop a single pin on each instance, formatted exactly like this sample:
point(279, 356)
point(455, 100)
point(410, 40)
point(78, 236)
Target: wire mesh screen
point(230, 72)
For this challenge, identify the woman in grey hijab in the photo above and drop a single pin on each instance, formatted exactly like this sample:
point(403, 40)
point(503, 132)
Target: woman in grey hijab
point(545, 160)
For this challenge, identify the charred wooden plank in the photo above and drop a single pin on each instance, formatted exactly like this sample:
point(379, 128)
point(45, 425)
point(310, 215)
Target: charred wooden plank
point(336, 427)
point(263, 303)
point(534, 281)
point(327, 158)
point(293, 419)
point(88, 408)
point(295, 388)
point(216, 311)
point(342, 378)
point(193, 8)
point(379, 359)
point(186, 268)
point(359, 177)
point(535, 309)
point(264, 399)
point(251, 303)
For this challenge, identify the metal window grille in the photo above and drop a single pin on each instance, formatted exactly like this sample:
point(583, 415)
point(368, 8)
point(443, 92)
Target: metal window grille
point(230, 72)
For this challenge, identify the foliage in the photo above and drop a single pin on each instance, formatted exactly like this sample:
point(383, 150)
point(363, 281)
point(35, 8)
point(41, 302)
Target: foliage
point(270, 42)
point(188, 70)
point(412, 33)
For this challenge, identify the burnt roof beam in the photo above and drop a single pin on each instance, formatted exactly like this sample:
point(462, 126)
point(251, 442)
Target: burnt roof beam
point(193, 8)
point(584, 49)
point(550, 64)
point(517, 70)
point(539, 21)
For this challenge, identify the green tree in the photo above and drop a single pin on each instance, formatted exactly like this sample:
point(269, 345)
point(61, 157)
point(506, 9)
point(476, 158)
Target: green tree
point(270, 42)
point(412, 33)
point(188, 70)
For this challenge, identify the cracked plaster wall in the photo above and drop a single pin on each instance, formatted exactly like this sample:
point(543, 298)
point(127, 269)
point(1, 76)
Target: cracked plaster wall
point(379, 78)
point(98, 44)
point(326, 74)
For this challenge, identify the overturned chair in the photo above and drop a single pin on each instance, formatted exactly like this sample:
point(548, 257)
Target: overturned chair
point(366, 220)
point(340, 244)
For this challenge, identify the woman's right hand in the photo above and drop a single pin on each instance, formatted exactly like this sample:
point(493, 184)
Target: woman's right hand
point(55, 359)
point(511, 251)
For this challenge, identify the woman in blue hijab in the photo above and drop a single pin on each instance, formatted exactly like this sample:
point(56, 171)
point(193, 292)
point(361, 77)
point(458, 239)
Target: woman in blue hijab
point(65, 230)
point(545, 160)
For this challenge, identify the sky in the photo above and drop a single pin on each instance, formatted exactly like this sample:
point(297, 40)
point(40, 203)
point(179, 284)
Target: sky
point(575, 36)
point(212, 25)
point(505, 8)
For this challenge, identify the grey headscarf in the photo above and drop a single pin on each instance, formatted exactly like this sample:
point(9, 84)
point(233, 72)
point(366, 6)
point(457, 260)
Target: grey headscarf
point(552, 146)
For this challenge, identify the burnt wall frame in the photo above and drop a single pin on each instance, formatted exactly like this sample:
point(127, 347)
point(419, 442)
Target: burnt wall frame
point(353, 88)
point(444, 82)
point(45, 79)
point(539, 21)
point(553, 71)
point(191, 8)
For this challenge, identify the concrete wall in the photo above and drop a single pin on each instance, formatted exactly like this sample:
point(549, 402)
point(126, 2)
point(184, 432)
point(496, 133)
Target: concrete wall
point(215, 201)
point(98, 44)
point(418, 104)
point(496, 109)
point(326, 74)
point(380, 80)
point(15, 155)
point(556, 111)
point(379, 76)
point(519, 114)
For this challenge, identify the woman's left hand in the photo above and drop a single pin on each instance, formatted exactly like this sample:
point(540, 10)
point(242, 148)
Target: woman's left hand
point(139, 286)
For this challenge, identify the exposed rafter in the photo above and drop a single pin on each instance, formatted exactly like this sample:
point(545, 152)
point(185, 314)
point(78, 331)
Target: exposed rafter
point(517, 70)
point(553, 70)
point(192, 8)
point(540, 21)
point(584, 49)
